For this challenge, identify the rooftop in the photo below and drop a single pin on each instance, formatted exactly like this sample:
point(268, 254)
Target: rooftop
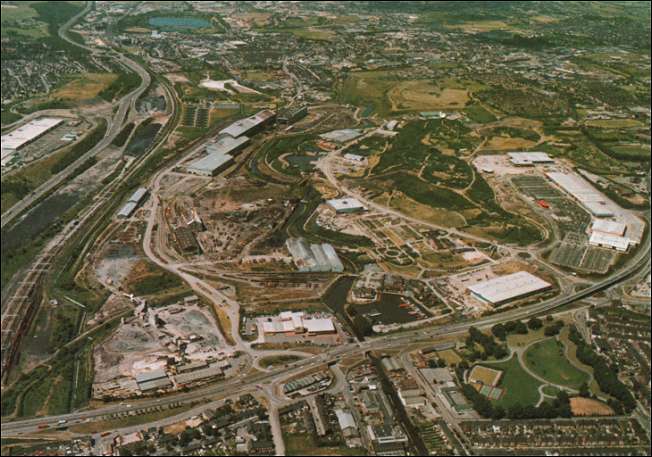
point(209, 163)
point(507, 287)
point(619, 243)
point(343, 204)
point(609, 227)
point(26, 133)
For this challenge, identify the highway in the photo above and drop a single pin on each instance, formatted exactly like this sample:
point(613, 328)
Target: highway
point(113, 128)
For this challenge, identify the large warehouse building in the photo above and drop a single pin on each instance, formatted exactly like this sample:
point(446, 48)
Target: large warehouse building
point(509, 287)
point(226, 144)
point(528, 159)
point(25, 134)
point(610, 234)
point(210, 165)
point(250, 125)
point(314, 257)
point(589, 197)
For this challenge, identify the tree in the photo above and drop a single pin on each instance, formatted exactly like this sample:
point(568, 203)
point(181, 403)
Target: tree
point(499, 413)
point(499, 331)
point(521, 328)
point(534, 323)
point(584, 390)
point(500, 352)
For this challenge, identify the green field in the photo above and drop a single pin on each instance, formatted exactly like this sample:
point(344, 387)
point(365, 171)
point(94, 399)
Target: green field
point(546, 358)
point(302, 444)
point(16, 16)
point(276, 360)
point(520, 387)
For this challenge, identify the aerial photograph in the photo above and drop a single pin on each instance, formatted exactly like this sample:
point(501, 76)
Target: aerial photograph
point(326, 228)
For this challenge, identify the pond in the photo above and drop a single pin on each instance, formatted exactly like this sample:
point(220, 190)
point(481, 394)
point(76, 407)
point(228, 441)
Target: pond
point(179, 22)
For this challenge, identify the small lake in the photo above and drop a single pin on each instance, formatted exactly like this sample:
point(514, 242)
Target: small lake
point(179, 22)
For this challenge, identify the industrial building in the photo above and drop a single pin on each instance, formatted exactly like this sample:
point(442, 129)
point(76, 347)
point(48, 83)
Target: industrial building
point(589, 197)
point(292, 115)
point(186, 241)
point(528, 159)
point(210, 165)
point(250, 125)
point(220, 155)
point(609, 227)
point(192, 375)
point(293, 323)
point(226, 144)
point(134, 201)
point(26, 134)
point(315, 257)
point(609, 234)
point(606, 240)
point(509, 287)
point(150, 380)
point(346, 205)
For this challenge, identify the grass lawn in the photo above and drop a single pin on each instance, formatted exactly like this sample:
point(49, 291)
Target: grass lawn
point(550, 390)
point(520, 387)
point(278, 360)
point(515, 340)
point(546, 358)
point(563, 336)
point(128, 421)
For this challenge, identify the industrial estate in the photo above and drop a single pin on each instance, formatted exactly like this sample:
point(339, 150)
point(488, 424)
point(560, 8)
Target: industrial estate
point(325, 228)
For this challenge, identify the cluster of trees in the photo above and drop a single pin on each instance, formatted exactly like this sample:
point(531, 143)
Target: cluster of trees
point(489, 345)
point(501, 331)
point(439, 363)
point(554, 328)
point(126, 82)
point(605, 374)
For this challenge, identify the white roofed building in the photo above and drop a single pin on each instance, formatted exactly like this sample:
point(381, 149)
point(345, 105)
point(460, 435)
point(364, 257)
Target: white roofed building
point(509, 287)
point(589, 197)
point(314, 257)
point(210, 165)
point(609, 227)
point(526, 159)
point(25, 134)
point(249, 125)
point(606, 240)
point(293, 323)
point(346, 205)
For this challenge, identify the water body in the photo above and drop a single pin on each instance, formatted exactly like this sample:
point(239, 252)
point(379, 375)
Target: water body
point(171, 23)
point(335, 299)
